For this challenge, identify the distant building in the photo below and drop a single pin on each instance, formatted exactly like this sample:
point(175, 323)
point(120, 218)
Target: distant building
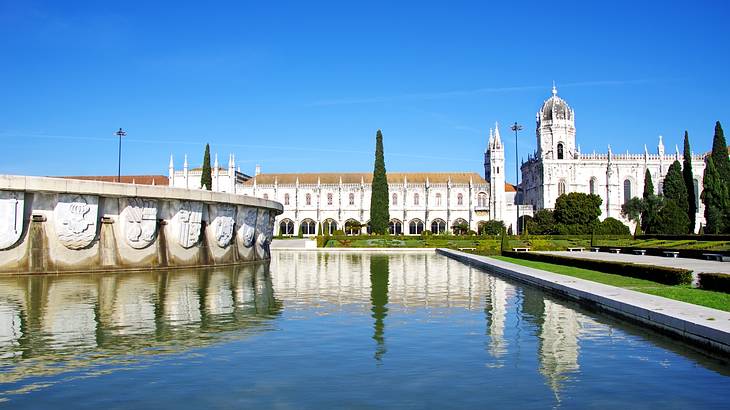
point(227, 179)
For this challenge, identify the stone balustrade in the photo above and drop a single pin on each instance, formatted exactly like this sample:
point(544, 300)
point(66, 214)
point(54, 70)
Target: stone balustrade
point(66, 225)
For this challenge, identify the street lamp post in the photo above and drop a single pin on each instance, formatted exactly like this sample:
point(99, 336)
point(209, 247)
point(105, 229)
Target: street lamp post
point(120, 134)
point(517, 127)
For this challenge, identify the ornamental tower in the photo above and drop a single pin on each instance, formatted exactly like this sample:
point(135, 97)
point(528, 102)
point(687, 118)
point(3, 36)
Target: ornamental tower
point(494, 173)
point(556, 129)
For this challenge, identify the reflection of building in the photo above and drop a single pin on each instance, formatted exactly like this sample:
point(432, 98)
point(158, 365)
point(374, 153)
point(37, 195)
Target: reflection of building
point(558, 343)
point(496, 310)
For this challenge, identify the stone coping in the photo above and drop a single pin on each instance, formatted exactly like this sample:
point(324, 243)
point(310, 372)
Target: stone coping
point(707, 327)
point(114, 189)
point(355, 250)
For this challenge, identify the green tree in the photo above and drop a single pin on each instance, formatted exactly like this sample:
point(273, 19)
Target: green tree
point(689, 183)
point(674, 188)
point(379, 211)
point(493, 228)
point(674, 212)
point(206, 179)
point(672, 219)
point(612, 226)
point(577, 213)
point(715, 198)
point(542, 223)
point(720, 153)
point(648, 214)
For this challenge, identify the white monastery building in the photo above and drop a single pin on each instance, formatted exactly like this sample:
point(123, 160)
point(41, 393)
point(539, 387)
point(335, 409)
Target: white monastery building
point(440, 201)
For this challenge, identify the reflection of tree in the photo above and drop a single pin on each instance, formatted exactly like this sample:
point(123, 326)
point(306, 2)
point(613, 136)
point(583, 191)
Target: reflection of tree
point(379, 299)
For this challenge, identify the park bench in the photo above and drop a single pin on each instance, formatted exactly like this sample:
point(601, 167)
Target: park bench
point(615, 250)
point(673, 254)
point(576, 249)
point(467, 249)
point(639, 251)
point(595, 249)
point(716, 256)
point(520, 249)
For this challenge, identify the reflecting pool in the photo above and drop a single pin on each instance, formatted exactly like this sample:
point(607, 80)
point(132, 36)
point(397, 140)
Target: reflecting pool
point(319, 330)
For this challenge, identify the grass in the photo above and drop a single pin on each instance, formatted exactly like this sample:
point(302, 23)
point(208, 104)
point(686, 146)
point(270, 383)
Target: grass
point(684, 293)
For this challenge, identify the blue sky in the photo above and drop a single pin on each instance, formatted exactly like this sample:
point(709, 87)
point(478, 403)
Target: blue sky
point(303, 86)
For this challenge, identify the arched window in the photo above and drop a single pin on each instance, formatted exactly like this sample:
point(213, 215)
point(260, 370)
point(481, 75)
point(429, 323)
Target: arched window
point(438, 226)
point(329, 226)
point(352, 227)
point(438, 199)
point(560, 150)
point(482, 200)
point(561, 188)
point(697, 194)
point(592, 186)
point(627, 190)
point(308, 227)
point(415, 199)
point(498, 170)
point(395, 227)
point(286, 199)
point(329, 199)
point(352, 198)
point(459, 199)
point(266, 196)
point(286, 227)
point(308, 199)
point(415, 227)
point(460, 226)
point(394, 199)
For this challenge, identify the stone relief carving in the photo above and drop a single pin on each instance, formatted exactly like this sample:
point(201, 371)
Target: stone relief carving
point(224, 223)
point(247, 231)
point(140, 222)
point(11, 217)
point(262, 239)
point(188, 223)
point(75, 219)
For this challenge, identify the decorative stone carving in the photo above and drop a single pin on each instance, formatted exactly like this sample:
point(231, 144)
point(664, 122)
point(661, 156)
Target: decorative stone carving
point(247, 231)
point(75, 219)
point(188, 222)
point(224, 224)
point(11, 217)
point(140, 222)
point(262, 239)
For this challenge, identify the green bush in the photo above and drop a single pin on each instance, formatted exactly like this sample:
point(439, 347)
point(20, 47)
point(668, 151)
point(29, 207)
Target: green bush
point(612, 226)
point(719, 282)
point(659, 274)
point(492, 228)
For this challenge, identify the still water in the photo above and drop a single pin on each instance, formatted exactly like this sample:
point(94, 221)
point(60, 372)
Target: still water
point(318, 330)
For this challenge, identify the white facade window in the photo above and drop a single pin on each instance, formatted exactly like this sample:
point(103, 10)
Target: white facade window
point(286, 227)
point(266, 196)
point(352, 227)
point(438, 199)
point(482, 200)
point(286, 199)
point(394, 199)
point(592, 186)
point(560, 151)
point(460, 199)
point(415, 199)
point(561, 188)
point(415, 227)
point(438, 226)
point(308, 199)
point(329, 199)
point(352, 198)
point(308, 227)
point(395, 227)
point(627, 190)
point(329, 227)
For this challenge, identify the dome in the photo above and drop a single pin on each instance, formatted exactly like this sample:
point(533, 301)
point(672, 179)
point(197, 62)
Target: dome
point(555, 108)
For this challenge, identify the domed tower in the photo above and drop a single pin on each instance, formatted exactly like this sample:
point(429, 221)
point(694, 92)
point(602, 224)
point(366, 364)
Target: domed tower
point(555, 129)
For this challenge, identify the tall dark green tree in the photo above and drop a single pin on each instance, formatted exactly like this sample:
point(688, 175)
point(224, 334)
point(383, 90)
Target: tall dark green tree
point(720, 153)
point(715, 198)
point(379, 212)
point(206, 179)
point(689, 183)
point(673, 215)
point(648, 214)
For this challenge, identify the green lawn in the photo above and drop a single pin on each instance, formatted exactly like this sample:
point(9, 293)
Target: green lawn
point(684, 293)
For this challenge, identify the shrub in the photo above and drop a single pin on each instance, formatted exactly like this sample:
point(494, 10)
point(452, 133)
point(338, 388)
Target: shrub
point(659, 274)
point(339, 232)
point(719, 282)
point(493, 228)
point(612, 226)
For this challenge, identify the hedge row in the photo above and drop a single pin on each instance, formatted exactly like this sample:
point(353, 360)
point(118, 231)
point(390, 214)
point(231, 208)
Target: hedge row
point(715, 281)
point(708, 237)
point(682, 253)
point(660, 274)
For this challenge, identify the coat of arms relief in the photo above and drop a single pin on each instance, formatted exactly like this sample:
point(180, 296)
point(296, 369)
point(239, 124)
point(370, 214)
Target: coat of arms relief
point(11, 217)
point(140, 222)
point(76, 219)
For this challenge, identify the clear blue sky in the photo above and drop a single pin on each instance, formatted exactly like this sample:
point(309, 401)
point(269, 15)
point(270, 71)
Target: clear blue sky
point(303, 86)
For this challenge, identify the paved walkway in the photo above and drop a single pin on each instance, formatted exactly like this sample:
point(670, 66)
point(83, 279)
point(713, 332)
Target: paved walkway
point(698, 324)
point(288, 243)
point(695, 265)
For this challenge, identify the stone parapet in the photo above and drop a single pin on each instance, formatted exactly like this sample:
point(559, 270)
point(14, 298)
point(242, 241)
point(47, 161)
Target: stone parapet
point(65, 225)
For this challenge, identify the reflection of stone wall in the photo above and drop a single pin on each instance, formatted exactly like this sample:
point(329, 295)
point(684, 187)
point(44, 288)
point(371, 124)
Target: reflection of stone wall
point(54, 225)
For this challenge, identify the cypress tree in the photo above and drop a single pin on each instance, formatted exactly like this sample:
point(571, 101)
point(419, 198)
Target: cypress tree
point(715, 198)
point(673, 217)
point(689, 183)
point(379, 212)
point(206, 179)
point(720, 153)
point(648, 214)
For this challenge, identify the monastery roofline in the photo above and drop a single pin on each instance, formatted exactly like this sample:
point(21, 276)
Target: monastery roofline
point(366, 177)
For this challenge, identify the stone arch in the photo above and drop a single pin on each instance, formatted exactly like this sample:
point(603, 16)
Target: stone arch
point(308, 227)
point(561, 150)
point(415, 227)
point(329, 226)
point(460, 226)
point(395, 227)
point(438, 226)
point(352, 227)
point(286, 227)
point(628, 189)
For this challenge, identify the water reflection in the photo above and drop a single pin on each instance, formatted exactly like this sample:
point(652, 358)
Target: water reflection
point(50, 324)
point(379, 299)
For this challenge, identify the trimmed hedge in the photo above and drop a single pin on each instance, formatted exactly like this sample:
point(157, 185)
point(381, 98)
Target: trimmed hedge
point(708, 237)
point(719, 282)
point(683, 253)
point(659, 274)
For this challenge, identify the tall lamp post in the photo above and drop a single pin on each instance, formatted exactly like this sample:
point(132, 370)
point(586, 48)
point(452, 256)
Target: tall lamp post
point(120, 134)
point(517, 127)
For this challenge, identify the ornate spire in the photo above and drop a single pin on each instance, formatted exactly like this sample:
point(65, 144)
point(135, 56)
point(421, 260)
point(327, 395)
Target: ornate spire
point(215, 162)
point(497, 139)
point(660, 146)
point(491, 138)
point(555, 89)
point(171, 164)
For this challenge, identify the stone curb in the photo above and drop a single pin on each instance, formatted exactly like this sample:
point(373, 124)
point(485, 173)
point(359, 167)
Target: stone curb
point(699, 325)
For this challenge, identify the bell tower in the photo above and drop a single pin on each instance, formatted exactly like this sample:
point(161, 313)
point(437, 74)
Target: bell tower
point(556, 129)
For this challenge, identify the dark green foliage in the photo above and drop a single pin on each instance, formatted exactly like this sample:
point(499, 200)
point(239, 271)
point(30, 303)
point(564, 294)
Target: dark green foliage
point(674, 187)
point(542, 223)
point(504, 244)
point(689, 183)
point(460, 229)
point(719, 153)
point(659, 274)
point(612, 226)
point(672, 220)
point(206, 180)
point(577, 213)
point(715, 281)
point(379, 208)
point(648, 185)
point(650, 205)
point(493, 228)
point(715, 198)
point(644, 211)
